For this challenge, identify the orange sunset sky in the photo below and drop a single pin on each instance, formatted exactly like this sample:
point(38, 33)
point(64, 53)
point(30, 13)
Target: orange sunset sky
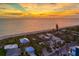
point(38, 9)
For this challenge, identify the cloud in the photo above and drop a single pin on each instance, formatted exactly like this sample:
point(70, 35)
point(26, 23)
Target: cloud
point(39, 9)
point(17, 6)
point(69, 7)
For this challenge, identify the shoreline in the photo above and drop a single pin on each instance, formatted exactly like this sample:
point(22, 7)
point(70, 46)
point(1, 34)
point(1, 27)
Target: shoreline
point(30, 33)
point(25, 33)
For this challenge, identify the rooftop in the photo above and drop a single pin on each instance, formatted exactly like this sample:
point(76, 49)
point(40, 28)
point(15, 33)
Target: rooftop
point(29, 49)
point(10, 46)
point(24, 40)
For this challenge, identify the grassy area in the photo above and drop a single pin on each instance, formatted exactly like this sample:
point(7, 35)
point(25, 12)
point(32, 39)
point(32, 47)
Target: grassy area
point(2, 52)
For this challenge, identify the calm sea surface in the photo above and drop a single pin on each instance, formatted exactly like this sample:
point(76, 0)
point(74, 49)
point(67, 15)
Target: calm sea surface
point(29, 25)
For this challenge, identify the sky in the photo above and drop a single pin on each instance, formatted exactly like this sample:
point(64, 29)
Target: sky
point(38, 9)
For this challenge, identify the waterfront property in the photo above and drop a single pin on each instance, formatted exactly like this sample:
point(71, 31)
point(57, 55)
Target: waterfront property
point(30, 50)
point(24, 40)
point(74, 51)
point(12, 50)
point(48, 43)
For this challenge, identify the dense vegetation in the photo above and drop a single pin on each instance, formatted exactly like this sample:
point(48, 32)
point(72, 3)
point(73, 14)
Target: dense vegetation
point(2, 52)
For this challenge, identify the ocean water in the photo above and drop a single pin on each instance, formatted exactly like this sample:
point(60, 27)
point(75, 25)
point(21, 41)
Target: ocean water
point(13, 26)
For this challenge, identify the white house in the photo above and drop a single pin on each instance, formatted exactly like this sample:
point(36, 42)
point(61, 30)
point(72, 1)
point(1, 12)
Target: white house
point(11, 46)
